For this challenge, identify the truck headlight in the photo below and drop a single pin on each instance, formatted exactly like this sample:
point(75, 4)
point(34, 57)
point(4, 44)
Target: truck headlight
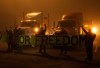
point(94, 30)
point(36, 29)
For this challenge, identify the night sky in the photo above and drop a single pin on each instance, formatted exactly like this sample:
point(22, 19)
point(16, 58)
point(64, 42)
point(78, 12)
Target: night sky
point(14, 9)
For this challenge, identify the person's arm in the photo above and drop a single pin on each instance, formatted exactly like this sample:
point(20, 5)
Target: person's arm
point(6, 29)
point(84, 30)
point(45, 27)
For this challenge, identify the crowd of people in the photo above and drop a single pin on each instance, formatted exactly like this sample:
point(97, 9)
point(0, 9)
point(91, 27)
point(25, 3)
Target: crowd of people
point(12, 38)
point(89, 38)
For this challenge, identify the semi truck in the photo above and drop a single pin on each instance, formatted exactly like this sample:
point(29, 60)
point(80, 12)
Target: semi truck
point(31, 23)
point(71, 23)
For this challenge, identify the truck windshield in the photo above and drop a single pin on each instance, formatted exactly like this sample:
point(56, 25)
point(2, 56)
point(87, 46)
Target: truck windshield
point(29, 24)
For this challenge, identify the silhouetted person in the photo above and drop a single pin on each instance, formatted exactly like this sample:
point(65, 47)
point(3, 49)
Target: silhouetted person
point(63, 48)
point(10, 38)
point(43, 45)
point(89, 38)
point(18, 33)
point(16, 36)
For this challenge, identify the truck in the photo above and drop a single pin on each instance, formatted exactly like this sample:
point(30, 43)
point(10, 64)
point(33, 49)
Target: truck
point(31, 23)
point(71, 23)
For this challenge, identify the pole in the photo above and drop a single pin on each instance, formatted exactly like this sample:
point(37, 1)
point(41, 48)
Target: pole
point(48, 24)
point(15, 7)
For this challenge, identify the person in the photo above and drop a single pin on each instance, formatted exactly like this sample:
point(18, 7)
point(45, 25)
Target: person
point(43, 45)
point(89, 38)
point(17, 33)
point(10, 39)
point(63, 48)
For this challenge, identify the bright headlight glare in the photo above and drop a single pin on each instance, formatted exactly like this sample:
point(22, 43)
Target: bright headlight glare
point(94, 29)
point(36, 29)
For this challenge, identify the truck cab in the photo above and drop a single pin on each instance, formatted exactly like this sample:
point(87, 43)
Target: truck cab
point(71, 23)
point(30, 27)
point(31, 23)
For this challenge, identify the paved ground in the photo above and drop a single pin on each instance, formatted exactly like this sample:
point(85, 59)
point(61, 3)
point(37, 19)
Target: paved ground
point(30, 58)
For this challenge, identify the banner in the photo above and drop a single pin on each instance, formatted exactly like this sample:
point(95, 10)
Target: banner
point(47, 40)
point(51, 40)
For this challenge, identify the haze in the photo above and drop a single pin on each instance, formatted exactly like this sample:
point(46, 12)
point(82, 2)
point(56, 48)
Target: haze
point(11, 11)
